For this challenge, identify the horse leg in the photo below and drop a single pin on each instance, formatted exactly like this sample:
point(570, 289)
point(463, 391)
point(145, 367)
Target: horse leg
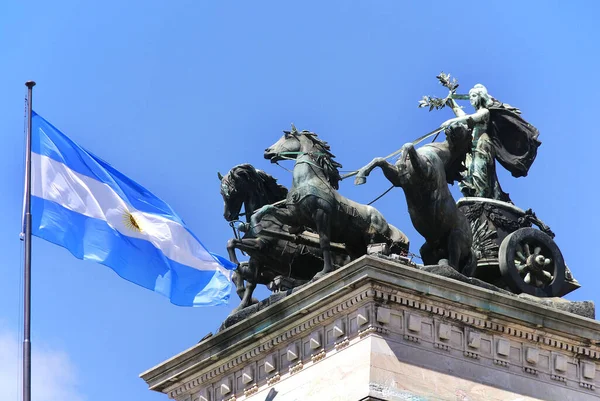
point(243, 272)
point(232, 244)
point(363, 173)
point(323, 224)
point(238, 281)
point(389, 171)
point(376, 229)
point(455, 249)
point(257, 216)
point(469, 264)
point(284, 215)
point(250, 273)
point(250, 244)
point(460, 256)
point(244, 245)
point(430, 254)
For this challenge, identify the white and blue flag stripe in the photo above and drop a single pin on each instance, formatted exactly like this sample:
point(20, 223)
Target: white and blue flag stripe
point(83, 204)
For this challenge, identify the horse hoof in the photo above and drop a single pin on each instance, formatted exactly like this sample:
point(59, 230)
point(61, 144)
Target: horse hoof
point(360, 180)
point(318, 276)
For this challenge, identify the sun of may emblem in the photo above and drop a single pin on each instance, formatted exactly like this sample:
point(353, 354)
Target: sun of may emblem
point(130, 221)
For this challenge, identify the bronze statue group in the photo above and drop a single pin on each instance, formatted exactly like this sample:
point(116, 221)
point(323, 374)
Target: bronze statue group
point(302, 234)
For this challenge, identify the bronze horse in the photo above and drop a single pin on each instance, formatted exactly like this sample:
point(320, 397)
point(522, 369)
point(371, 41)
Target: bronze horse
point(424, 175)
point(313, 201)
point(246, 186)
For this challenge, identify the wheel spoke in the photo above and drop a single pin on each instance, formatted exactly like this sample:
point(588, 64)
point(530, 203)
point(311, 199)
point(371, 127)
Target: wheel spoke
point(519, 248)
point(528, 263)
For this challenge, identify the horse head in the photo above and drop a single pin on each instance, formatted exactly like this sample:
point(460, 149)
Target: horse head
point(413, 168)
point(304, 144)
point(460, 140)
point(289, 146)
point(417, 166)
point(245, 185)
point(233, 198)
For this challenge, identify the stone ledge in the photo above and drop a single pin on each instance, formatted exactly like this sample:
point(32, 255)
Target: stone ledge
point(369, 281)
point(581, 308)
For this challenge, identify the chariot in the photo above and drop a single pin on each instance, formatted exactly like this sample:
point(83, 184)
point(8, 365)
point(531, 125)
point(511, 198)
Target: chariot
point(515, 250)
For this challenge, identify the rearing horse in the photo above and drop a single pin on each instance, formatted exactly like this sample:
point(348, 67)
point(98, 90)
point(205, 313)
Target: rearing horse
point(424, 175)
point(244, 186)
point(314, 202)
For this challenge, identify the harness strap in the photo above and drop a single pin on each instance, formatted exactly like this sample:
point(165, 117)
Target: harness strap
point(381, 196)
point(284, 155)
point(309, 162)
point(396, 153)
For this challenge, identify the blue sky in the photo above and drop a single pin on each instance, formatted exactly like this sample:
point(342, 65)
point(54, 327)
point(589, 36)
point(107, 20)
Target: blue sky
point(172, 92)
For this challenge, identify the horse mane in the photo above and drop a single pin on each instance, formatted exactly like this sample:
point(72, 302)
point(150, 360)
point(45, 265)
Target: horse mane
point(262, 182)
point(275, 191)
point(325, 159)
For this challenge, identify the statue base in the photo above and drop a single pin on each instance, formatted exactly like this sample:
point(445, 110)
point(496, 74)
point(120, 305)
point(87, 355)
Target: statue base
point(379, 330)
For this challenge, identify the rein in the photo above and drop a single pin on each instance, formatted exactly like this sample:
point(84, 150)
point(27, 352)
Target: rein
point(284, 156)
point(310, 154)
point(435, 132)
point(381, 196)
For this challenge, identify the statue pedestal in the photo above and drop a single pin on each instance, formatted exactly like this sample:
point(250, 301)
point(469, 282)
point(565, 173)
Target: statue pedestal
point(379, 330)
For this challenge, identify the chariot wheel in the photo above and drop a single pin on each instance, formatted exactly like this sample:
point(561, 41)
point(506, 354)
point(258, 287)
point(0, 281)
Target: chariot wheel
point(531, 262)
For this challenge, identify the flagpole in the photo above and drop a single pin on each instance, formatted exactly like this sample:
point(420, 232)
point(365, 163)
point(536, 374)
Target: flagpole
point(27, 239)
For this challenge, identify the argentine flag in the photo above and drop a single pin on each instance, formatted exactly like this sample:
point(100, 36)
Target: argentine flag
point(83, 204)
